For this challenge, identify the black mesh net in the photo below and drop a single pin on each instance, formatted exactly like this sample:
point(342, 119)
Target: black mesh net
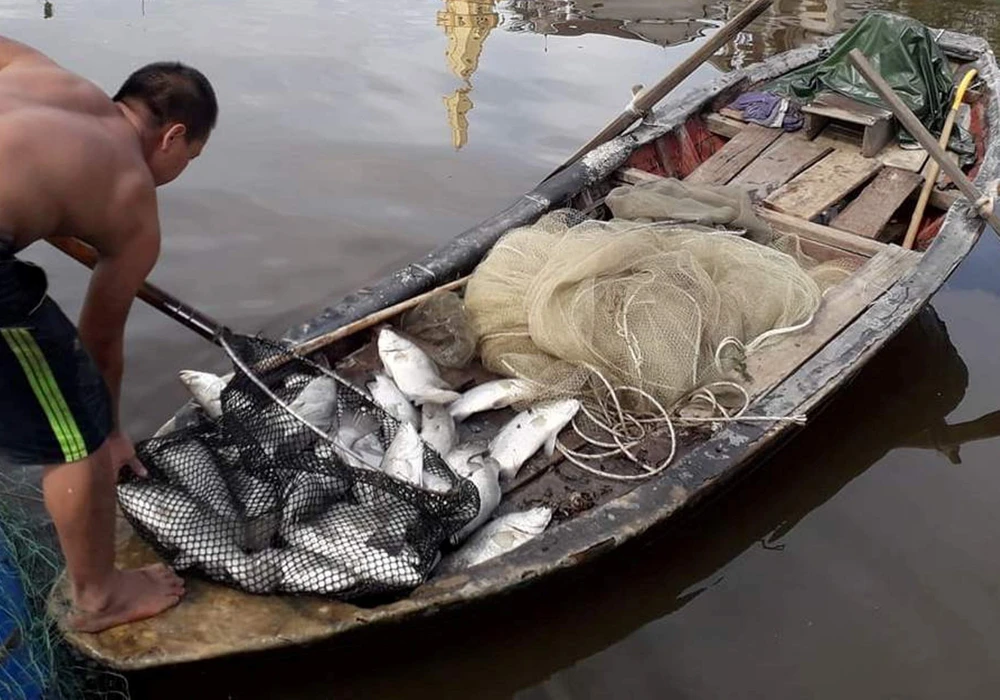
point(259, 501)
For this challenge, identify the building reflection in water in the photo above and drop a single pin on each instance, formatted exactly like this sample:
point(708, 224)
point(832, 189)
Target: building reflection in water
point(787, 24)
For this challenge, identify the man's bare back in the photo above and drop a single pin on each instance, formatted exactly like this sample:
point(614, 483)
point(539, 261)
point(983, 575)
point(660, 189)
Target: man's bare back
point(78, 163)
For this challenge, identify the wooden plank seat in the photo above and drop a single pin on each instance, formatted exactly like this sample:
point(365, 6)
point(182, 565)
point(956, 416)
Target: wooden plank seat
point(878, 124)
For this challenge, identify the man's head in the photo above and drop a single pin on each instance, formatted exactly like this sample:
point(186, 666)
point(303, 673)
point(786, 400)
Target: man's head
point(178, 104)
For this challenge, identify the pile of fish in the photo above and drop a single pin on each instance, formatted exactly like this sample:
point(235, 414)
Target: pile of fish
point(339, 532)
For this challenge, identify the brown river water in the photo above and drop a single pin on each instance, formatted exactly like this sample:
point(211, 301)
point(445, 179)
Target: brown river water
point(859, 562)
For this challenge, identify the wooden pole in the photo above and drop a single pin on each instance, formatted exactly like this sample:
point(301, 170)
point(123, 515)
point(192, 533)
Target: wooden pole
point(909, 120)
point(373, 319)
point(933, 168)
point(200, 323)
point(647, 99)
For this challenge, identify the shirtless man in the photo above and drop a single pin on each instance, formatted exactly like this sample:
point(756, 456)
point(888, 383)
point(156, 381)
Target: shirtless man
point(78, 163)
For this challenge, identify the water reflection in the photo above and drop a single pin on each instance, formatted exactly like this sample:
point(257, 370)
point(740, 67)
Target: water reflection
point(467, 24)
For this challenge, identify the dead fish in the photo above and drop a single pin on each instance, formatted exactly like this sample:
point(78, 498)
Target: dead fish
point(192, 467)
point(206, 389)
point(488, 397)
point(179, 522)
point(499, 536)
point(404, 460)
point(485, 476)
point(458, 458)
point(309, 494)
point(354, 427)
point(258, 499)
point(413, 371)
point(370, 449)
point(530, 430)
point(393, 401)
point(303, 571)
point(434, 482)
point(317, 402)
point(438, 429)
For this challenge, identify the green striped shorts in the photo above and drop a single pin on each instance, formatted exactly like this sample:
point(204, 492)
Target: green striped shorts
point(54, 404)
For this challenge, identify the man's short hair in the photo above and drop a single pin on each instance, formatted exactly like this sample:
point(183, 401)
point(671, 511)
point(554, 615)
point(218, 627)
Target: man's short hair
point(174, 92)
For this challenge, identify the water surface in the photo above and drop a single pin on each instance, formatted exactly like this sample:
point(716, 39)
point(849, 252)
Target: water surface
point(355, 136)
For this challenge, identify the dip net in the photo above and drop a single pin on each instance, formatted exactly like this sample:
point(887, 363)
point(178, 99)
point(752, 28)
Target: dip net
point(268, 501)
point(642, 303)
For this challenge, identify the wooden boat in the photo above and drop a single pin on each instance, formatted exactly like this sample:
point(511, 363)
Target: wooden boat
point(686, 138)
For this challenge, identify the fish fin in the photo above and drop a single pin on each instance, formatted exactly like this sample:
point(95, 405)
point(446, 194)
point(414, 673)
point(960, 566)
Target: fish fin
point(359, 423)
point(439, 396)
point(550, 443)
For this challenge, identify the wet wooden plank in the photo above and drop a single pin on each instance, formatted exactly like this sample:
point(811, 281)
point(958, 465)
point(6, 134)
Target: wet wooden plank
point(772, 363)
point(870, 212)
point(735, 155)
point(878, 123)
point(724, 126)
point(824, 184)
point(782, 161)
point(895, 156)
point(821, 234)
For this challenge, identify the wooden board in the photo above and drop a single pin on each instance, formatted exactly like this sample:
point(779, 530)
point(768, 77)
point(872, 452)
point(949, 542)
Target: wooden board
point(841, 305)
point(723, 126)
point(824, 184)
point(821, 234)
point(895, 156)
point(741, 150)
point(841, 108)
point(870, 212)
point(783, 160)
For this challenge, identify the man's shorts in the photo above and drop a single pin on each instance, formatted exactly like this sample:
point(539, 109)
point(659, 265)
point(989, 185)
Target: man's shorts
point(54, 404)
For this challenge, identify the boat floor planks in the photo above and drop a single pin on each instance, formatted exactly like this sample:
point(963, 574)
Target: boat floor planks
point(841, 304)
point(782, 161)
point(871, 211)
point(823, 185)
point(739, 152)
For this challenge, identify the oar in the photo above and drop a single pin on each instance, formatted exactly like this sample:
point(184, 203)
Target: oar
point(909, 120)
point(933, 169)
point(200, 323)
point(647, 99)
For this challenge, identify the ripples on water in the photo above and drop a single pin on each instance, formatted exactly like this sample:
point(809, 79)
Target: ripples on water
point(357, 135)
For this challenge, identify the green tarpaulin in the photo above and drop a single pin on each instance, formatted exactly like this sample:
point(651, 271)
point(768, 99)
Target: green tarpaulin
point(904, 51)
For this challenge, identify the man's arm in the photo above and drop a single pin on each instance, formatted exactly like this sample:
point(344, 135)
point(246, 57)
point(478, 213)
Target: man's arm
point(126, 259)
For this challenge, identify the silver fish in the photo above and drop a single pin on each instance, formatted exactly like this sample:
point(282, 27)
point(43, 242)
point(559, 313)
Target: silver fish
point(414, 373)
point(342, 536)
point(499, 536)
point(438, 429)
point(529, 431)
point(261, 513)
point(192, 467)
point(307, 572)
point(370, 449)
point(354, 427)
point(393, 401)
point(206, 389)
point(489, 396)
point(404, 460)
point(317, 402)
point(309, 494)
point(178, 521)
point(458, 458)
point(485, 476)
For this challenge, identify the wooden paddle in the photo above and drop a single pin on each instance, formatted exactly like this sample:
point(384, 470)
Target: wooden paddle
point(647, 99)
point(909, 120)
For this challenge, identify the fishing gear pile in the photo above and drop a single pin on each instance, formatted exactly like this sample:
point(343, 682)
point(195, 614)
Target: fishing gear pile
point(287, 478)
point(641, 300)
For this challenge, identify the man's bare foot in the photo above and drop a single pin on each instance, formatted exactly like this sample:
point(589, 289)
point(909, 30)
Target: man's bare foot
point(134, 594)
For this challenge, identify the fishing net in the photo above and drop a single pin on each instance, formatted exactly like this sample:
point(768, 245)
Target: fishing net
point(258, 500)
point(35, 662)
point(658, 307)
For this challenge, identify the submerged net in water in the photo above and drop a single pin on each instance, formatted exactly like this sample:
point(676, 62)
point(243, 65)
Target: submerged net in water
point(644, 303)
point(259, 500)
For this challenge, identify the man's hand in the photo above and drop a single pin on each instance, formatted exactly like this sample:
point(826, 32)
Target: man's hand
point(123, 455)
